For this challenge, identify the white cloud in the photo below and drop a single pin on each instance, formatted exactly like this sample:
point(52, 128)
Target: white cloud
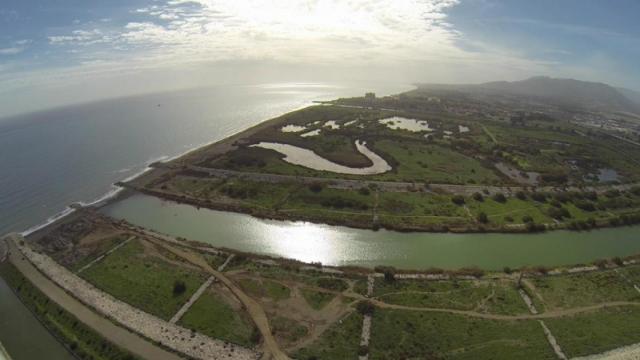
point(17, 47)
point(11, 50)
point(399, 40)
point(293, 31)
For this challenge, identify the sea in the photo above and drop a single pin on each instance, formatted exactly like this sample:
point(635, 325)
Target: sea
point(74, 154)
point(52, 159)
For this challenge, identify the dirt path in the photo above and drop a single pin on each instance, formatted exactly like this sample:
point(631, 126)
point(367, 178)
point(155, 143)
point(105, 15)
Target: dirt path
point(470, 313)
point(552, 341)
point(103, 326)
point(254, 309)
point(183, 310)
point(99, 258)
point(387, 186)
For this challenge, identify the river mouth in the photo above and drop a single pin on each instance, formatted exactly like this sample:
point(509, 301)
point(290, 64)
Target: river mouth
point(342, 246)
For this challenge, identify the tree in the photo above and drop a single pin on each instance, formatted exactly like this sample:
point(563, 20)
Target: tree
point(389, 275)
point(179, 287)
point(499, 197)
point(365, 307)
point(315, 187)
point(458, 199)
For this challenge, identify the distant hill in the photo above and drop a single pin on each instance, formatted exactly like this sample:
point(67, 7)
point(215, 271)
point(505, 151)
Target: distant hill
point(630, 94)
point(571, 92)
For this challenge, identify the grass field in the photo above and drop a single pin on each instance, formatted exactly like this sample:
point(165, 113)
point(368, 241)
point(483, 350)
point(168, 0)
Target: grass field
point(340, 342)
point(583, 289)
point(211, 315)
point(317, 299)
point(265, 289)
point(76, 336)
point(144, 281)
point(100, 248)
point(489, 297)
point(432, 164)
point(398, 334)
point(598, 331)
point(287, 330)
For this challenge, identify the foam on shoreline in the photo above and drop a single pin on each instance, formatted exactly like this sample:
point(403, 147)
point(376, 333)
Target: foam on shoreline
point(112, 193)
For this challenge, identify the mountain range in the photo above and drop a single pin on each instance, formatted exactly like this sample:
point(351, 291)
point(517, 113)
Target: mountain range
point(566, 92)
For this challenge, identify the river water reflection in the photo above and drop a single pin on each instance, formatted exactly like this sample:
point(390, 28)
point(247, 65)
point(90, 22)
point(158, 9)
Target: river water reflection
point(336, 245)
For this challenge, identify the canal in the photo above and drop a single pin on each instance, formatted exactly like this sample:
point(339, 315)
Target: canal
point(336, 245)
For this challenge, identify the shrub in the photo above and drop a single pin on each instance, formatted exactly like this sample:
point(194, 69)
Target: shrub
point(316, 187)
point(600, 263)
point(365, 307)
point(478, 197)
point(389, 275)
point(558, 213)
point(612, 193)
point(482, 217)
point(585, 205)
point(363, 350)
point(364, 191)
point(618, 261)
point(591, 195)
point(542, 270)
point(533, 227)
point(521, 195)
point(508, 218)
point(539, 197)
point(562, 197)
point(470, 271)
point(457, 199)
point(499, 197)
point(507, 270)
point(179, 287)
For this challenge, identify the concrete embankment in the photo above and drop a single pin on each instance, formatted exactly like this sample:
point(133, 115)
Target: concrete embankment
point(4, 355)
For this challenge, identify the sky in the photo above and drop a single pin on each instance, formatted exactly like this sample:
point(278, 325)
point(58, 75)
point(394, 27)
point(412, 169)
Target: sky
point(56, 52)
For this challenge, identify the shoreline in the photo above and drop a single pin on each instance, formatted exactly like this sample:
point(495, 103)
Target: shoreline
point(117, 193)
point(155, 170)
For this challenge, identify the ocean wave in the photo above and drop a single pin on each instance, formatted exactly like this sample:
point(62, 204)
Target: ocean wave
point(113, 192)
point(50, 220)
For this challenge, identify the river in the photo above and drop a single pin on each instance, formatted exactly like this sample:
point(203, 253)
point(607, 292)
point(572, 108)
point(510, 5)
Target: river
point(53, 158)
point(22, 335)
point(337, 245)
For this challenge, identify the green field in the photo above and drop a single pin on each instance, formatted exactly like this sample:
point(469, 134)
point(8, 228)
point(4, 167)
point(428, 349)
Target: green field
point(265, 289)
point(317, 299)
point(211, 315)
point(596, 332)
point(146, 282)
point(489, 297)
point(398, 334)
point(583, 289)
point(340, 342)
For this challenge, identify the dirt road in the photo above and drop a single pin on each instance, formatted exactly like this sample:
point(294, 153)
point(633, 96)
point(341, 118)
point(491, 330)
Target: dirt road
point(107, 329)
point(254, 309)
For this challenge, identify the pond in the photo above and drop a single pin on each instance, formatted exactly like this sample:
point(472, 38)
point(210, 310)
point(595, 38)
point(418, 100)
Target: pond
point(307, 158)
